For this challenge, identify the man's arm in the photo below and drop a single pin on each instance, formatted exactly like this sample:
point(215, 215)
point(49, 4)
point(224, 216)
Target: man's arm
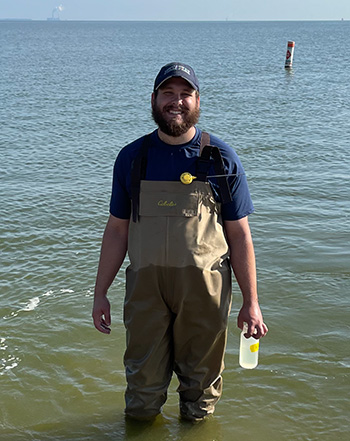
point(113, 251)
point(243, 264)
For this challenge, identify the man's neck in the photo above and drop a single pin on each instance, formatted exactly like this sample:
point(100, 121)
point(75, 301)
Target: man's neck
point(175, 140)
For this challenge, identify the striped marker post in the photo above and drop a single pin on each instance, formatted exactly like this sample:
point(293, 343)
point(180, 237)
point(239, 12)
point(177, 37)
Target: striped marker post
point(289, 55)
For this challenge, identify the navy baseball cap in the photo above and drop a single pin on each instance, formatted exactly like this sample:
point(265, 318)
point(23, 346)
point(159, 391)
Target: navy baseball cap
point(176, 70)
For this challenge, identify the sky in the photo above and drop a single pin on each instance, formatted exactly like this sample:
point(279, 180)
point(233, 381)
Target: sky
point(177, 9)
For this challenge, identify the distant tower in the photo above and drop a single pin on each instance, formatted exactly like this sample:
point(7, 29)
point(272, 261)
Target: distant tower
point(56, 13)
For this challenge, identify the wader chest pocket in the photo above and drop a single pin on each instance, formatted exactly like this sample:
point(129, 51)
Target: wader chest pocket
point(168, 204)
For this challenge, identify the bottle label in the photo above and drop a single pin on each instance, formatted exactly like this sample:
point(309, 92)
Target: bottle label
point(255, 347)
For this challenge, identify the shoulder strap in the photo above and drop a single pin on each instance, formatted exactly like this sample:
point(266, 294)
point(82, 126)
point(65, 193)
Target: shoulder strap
point(209, 155)
point(205, 140)
point(138, 172)
point(203, 162)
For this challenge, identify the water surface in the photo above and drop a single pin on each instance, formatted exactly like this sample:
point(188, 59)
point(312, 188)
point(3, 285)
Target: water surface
point(72, 94)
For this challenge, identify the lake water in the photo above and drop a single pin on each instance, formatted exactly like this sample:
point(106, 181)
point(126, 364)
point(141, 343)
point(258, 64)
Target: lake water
point(72, 94)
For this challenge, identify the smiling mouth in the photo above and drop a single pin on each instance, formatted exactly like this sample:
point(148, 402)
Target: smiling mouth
point(175, 112)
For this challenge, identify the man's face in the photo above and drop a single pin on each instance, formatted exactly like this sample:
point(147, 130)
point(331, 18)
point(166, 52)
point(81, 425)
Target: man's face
point(175, 108)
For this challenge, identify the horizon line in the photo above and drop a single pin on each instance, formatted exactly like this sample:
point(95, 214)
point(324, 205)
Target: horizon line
point(172, 21)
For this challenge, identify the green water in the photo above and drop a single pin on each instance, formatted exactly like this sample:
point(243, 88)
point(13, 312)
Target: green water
point(72, 96)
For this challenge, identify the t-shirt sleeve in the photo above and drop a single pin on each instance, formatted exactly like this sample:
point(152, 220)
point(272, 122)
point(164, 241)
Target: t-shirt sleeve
point(120, 203)
point(241, 204)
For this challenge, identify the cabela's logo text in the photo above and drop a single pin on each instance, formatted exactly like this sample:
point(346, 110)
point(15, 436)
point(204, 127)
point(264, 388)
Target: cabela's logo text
point(162, 203)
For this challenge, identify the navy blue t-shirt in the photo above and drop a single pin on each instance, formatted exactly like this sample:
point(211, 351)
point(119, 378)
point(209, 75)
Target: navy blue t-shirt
point(167, 162)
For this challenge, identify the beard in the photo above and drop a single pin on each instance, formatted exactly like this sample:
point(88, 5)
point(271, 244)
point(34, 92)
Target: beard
point(172, 127)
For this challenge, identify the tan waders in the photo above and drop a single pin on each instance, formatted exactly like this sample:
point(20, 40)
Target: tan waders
point(178, 298)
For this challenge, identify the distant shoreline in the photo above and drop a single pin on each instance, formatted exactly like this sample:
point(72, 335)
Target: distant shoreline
point(166, 21)
point(16, 19)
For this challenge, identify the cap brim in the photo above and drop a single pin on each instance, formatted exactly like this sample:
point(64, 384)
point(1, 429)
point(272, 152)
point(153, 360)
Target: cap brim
point(177, 76)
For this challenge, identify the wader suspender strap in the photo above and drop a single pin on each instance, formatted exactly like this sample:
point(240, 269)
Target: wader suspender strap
point(207, 152)
point(138, 172)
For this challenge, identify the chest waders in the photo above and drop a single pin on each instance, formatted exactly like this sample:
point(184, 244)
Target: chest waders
point(178, 291)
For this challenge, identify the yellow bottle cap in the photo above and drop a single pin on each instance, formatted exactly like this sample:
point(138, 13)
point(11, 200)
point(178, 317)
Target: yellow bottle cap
point(187, 178)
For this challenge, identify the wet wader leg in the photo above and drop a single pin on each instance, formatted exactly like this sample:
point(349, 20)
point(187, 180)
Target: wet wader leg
point(200, 332)
point(148, 358)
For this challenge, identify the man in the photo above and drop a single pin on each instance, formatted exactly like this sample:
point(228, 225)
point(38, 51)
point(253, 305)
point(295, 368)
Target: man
point(179, 206)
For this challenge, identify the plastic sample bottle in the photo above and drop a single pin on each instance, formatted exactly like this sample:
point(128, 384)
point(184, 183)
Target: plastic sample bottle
point(248, 351)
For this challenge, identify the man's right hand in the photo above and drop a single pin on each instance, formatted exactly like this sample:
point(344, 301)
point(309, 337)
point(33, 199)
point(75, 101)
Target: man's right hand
point(113, 251)
point(101, 313)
